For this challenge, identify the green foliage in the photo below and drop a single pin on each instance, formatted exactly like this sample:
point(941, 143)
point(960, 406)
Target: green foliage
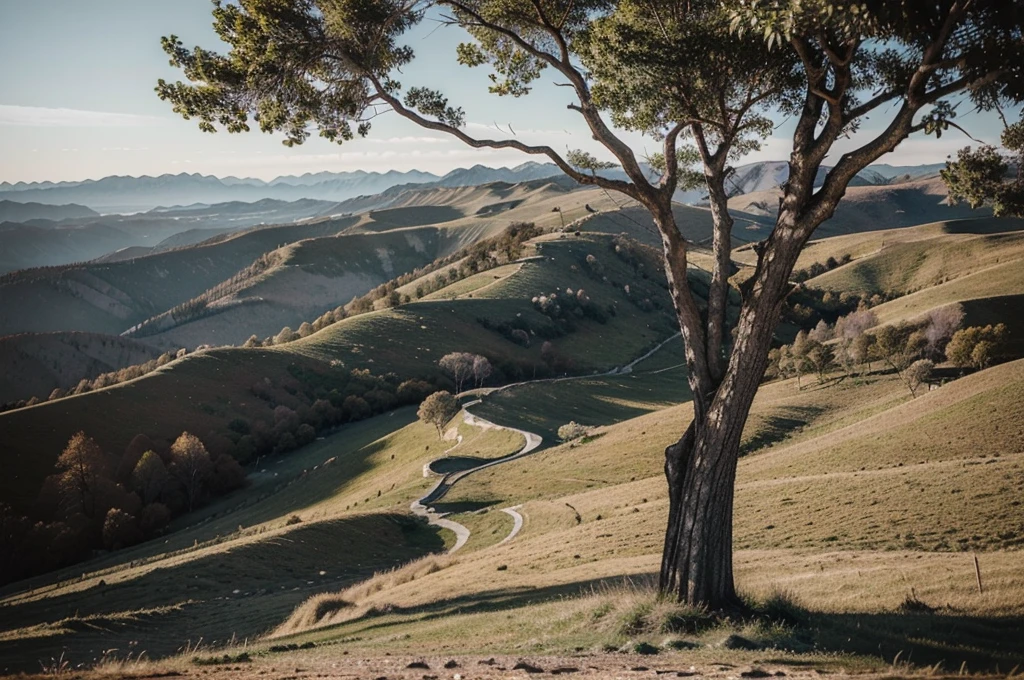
point(438, 409)
point(572, 430)
point(980, 177)
point(976, 346)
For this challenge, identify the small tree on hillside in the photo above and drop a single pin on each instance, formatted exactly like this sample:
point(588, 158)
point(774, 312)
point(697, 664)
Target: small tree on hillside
point(82, 466)
point(918, 373)
point(149, 477)
point(481, 370)
point(438, 409)
point(459, 365)
point(190, 465)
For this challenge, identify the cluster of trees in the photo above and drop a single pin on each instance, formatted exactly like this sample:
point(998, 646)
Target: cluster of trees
point(977, 346)
point(572, 304)
point(911, 350)
point(463, 366)
point(478, 257)
point(95, 500)
point(319, 402)
point(818, 268)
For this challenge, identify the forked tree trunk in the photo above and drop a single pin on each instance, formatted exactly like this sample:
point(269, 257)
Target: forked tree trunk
point(701, 467)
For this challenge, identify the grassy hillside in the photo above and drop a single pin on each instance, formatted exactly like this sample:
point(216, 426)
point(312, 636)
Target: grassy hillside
point(112, 297)
point(301, 282)
point(863, 497)
point(203, 393)
point(33, 365)
point(874, 495)
point(868, 208)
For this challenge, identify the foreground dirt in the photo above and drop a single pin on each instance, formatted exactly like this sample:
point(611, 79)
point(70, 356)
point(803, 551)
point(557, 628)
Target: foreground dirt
point(618, 666)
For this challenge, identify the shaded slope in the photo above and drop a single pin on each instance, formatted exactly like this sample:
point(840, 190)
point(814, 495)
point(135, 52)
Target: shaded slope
point(33, 365)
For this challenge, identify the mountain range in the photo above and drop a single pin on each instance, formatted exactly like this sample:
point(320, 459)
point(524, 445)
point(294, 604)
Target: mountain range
point(127, 194)
point(135, 194)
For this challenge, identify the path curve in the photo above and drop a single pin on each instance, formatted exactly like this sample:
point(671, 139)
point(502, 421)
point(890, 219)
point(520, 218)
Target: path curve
point(422, 506)
point(517, 522)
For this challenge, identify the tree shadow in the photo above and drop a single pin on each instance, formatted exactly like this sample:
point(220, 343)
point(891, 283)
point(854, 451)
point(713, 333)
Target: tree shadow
point(462, 506)
point(946, 638)
point(779, 426)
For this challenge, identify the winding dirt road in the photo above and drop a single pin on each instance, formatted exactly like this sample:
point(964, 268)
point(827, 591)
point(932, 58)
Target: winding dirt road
point(422, 506)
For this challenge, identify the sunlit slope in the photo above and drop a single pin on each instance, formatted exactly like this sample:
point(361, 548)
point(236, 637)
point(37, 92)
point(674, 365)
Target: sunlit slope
point(302, 281)
point(867, 208)
point(896, 263)
point(112, 297)
point(865, 494)
point(418, 334)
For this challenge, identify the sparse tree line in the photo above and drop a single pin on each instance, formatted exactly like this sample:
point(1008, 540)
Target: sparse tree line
point(197, 307)
point(819, 268)
point(95, 500)
point(910, 350)
point(478, 257)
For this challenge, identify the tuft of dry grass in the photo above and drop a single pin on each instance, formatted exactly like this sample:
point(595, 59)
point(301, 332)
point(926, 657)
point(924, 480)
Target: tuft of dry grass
point(326, 609)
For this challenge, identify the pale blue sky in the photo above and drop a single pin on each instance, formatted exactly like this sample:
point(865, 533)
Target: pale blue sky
point(77, 102)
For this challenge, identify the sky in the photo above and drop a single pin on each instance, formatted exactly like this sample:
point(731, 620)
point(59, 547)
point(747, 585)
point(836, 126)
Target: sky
point(77, 102)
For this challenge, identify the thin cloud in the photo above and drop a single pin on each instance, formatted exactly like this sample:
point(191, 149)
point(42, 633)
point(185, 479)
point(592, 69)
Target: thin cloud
point(41, 116)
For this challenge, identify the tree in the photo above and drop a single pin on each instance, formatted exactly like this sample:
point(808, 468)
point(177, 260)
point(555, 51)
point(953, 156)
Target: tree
point(82, 466)
point(438, 409)
point(190, 465)
point(693, 68)
point(942, 324)
point(981, 177)
point(919, 373)
point(481, 370)
point(459, 365)
point(120, 530)
point(149, 477)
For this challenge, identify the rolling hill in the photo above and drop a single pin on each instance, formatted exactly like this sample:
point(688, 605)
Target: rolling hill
point(33, 364)
point(868, 208)
point(11, 211)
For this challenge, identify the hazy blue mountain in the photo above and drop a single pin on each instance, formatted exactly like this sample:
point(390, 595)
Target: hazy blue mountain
point(11, 211)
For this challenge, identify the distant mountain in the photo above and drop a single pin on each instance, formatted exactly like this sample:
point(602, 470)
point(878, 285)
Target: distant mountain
point(136, 194)
point(11, 211)
point(43, 243)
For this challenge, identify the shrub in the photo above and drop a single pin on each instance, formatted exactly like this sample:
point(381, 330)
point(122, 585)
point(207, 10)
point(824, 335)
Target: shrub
point(572, 430)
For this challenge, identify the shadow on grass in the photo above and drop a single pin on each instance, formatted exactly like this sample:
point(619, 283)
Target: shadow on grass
point(948, 639)
point(462, 506)
point(779, 426)
point(238, 593)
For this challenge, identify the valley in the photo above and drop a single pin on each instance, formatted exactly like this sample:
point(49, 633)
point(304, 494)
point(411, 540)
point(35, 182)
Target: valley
point(859, 507)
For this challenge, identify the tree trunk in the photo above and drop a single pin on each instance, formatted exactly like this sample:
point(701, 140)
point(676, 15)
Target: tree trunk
point(701, 467)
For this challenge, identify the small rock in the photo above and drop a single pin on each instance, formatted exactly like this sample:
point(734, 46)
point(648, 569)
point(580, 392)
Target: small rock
point(452, 663)
point(418, 664)
point(756, 673)
point(523, 666)
point(502, 567)
point(737, 642)
point(645, 648)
